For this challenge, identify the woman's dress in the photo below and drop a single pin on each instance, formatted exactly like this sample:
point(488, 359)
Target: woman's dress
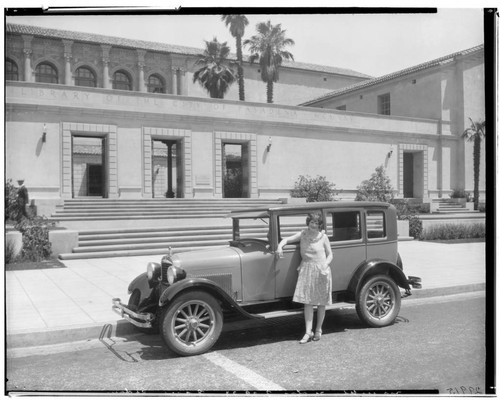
point(314, 284)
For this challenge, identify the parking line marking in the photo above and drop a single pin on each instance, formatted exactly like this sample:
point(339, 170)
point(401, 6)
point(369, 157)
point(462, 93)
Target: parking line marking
point(243, 373)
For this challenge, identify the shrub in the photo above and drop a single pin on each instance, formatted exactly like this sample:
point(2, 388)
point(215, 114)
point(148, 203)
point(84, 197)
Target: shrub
point(314, 189)
point(10, 252)
point(36, 243)
point(377, 188)
point(414, 225)
point(12, 209)
point(407, 211)
point(455, 231)
point(460, 194)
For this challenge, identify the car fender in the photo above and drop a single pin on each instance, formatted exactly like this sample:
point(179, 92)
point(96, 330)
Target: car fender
point(376, 267)
point(142, 284)
point(204, 284)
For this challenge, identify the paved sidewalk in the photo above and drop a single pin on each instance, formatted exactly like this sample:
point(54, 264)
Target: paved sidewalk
point(74, 303)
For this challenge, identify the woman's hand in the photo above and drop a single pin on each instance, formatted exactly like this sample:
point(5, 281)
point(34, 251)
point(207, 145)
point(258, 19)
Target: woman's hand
point(279, 252)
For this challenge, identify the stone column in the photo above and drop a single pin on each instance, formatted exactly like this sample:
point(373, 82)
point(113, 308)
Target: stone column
point(141, 63)
point(67, 57)
point(174, 80)
point(28, 72)
point(105, 68)
point(182, 82)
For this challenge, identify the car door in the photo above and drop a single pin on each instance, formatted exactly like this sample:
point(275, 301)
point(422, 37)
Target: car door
point(345, 231)
point(286, 267)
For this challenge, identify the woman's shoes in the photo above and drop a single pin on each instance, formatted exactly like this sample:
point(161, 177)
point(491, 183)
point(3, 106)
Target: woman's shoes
point(317, 335)
point(307, 338)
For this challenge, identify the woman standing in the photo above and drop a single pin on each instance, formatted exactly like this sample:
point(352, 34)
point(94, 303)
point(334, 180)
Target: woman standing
point(314, 284)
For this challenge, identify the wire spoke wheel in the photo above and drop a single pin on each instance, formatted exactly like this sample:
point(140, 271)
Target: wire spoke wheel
point(192, 323)
point(379, 301)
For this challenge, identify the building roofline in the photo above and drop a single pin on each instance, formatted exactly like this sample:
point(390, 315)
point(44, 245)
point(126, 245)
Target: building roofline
point(21, 29)
point(385, 78)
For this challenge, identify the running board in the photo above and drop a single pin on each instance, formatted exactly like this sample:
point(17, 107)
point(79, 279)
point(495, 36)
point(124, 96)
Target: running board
point(300, 311)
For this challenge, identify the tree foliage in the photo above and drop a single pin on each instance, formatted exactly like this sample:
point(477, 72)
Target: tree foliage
point(377, 188)
point(237, 24)
point(215, 76)
point(314, 189)
point(475, 133)
point(268, 48)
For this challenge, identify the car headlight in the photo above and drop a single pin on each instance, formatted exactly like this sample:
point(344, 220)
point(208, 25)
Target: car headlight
point(153, 271)
point(175, 274)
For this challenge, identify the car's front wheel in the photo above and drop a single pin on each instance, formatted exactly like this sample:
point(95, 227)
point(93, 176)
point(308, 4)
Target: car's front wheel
point(192, 323)
point(379, 301)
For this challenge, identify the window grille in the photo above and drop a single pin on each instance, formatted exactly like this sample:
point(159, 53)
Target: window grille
point(46, 73)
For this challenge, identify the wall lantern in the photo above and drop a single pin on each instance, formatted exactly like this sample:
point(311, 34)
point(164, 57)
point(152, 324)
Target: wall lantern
point(390, 153)
point(270, 143)
point(44, 133)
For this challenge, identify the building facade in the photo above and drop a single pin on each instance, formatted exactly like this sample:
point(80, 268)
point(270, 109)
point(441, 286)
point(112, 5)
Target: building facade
point(153, 133)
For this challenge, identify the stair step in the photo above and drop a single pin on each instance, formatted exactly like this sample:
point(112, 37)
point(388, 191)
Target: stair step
point(126, 253)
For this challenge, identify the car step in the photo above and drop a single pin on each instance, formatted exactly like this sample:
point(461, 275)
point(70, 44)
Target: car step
point(298, 311)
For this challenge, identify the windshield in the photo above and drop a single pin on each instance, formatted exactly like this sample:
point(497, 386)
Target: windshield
point(251, 228)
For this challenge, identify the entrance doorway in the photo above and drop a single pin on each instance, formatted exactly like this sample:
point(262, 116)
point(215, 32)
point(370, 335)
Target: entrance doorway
point(235, 170)
point(407, 175)
point(166, 164)
point(88, 166)
point(413, 174)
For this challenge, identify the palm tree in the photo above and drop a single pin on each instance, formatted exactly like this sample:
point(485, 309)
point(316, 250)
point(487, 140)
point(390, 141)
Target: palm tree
point(268, 48)
point(237, 23)
point(215, 76)
point(475, 133)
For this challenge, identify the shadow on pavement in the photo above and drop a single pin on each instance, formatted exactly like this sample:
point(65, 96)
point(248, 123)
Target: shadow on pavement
point(235, 335)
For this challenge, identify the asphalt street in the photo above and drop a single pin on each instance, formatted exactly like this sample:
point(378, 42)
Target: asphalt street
point(436, 344)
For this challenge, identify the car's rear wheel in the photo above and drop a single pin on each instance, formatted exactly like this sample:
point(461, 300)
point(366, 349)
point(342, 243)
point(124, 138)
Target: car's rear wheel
point(379, 301)
point(192, 323)
point(133, 304)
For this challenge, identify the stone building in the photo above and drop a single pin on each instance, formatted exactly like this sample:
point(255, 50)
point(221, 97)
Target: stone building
point(151, 131)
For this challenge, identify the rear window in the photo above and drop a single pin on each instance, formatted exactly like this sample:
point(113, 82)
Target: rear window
point(343, 225)
point(375, 224)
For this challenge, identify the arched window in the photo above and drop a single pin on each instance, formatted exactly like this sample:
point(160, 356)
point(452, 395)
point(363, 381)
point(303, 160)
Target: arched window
point(156, 84)
point(85, 77)
point(46, 73)
point(11, 71)
point(122, 81)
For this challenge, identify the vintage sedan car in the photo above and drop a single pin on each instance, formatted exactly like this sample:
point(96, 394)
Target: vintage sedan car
point(189, 295)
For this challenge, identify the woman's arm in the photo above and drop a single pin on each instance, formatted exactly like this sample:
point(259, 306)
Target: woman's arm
point(291, 239)
point(328, 250)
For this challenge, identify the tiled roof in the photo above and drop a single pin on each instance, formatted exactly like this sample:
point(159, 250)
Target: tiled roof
point(155, 46)
point(407, 71)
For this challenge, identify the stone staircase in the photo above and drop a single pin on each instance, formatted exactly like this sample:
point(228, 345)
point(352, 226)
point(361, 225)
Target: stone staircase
point(116, 228)
point(137, 242)
point(449, 206)
point(143, 209)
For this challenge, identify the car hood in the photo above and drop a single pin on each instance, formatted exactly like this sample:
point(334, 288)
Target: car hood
point(207, 261)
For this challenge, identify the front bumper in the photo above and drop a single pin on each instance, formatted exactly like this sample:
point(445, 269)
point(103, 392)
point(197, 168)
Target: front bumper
point(142, 320)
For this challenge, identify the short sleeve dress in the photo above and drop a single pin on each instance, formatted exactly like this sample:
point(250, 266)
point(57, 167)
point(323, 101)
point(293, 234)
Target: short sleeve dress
point(314, 284)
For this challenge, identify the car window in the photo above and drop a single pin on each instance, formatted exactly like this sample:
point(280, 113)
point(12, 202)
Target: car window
point(289, 225)
point(375, 224)
point(343, 225)
point(252, 228)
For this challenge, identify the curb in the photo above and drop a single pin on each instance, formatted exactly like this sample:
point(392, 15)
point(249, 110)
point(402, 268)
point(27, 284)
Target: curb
point(124, 329)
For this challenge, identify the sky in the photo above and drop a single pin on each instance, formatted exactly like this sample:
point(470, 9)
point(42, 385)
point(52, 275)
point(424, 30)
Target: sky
point(373, 44)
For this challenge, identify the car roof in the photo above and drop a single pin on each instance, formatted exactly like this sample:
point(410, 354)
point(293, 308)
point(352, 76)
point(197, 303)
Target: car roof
point(263, 212)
